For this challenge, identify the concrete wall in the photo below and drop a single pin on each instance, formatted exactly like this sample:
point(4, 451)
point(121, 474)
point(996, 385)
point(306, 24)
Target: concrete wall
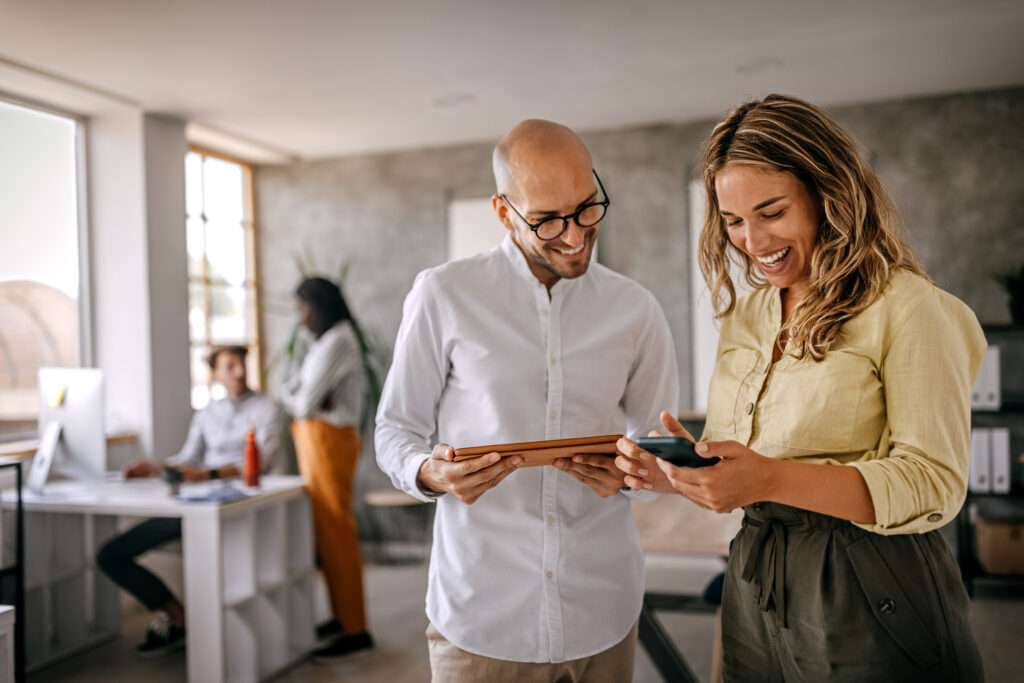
point(955, 166)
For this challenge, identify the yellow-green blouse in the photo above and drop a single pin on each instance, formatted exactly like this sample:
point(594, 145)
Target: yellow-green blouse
point(891, 398)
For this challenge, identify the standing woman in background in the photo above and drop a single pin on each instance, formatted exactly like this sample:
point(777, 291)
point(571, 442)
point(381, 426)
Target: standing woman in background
point(325, 400)
point(840, 409)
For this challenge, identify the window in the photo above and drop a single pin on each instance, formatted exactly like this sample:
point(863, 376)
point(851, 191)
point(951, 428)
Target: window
point(221, 266)
point(41, 298)
point(472, 227)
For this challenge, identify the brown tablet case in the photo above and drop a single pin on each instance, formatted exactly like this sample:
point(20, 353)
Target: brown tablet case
point(537, 453)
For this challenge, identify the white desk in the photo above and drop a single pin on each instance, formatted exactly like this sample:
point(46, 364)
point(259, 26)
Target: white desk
point(249, 573)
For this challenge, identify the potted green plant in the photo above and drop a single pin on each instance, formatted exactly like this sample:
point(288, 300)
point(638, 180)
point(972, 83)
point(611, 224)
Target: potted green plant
point(1013, 282)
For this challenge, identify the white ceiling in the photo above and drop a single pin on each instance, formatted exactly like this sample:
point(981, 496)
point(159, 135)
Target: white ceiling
point(317, 79)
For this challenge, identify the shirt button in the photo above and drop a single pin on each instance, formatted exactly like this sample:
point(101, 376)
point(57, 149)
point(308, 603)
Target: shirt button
point(887, 606)
point(934, 517)
point(551, 520)
point(550, 574)
point(750, 409)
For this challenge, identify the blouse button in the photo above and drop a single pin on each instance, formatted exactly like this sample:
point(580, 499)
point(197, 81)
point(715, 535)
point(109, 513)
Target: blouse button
point(934, 517)
point(750, 409)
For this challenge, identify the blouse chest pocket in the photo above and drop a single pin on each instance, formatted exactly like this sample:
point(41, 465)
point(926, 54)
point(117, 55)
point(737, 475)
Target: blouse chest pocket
point(814, 406)
point(732, 369)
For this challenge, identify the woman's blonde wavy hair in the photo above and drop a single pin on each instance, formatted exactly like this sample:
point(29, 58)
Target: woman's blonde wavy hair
point(859, 243)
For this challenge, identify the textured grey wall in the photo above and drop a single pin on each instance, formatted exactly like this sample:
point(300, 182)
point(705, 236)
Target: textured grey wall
point(954, 165)
point(955, 168)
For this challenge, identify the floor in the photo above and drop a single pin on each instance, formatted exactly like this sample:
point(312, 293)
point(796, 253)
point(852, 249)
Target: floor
point(395, 597)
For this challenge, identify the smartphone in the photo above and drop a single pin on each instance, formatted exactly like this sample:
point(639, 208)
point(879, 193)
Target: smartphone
point(676, 450)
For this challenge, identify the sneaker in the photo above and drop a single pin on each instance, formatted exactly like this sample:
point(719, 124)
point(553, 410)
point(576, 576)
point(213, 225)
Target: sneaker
point(347, 644)
point(162, 637)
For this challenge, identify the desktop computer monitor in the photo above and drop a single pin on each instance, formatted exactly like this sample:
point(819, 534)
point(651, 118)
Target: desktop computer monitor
point(73, 399)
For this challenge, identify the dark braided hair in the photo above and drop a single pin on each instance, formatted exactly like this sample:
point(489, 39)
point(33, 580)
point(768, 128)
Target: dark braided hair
point(325, 300)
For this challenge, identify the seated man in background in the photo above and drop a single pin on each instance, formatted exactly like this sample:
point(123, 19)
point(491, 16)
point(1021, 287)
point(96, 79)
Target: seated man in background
point(213, 450)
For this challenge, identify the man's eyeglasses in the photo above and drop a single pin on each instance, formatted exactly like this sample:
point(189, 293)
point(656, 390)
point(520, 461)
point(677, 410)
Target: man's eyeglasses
point(586, 216)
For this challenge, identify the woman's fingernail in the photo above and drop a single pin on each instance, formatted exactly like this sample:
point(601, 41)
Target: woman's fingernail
point(642, 472)
point(648, 486)
point(578, 458)
point(495, 457)
point(701, 447)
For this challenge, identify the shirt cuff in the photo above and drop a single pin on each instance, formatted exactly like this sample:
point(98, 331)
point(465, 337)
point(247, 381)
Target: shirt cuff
point(410, 474)
point(879, 483)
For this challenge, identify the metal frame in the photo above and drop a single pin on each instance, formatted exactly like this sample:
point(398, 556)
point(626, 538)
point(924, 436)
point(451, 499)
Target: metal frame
point(17, 572)
point(667, 659)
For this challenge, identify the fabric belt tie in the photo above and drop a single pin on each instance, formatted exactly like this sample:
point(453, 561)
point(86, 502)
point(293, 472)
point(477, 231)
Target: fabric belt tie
point(765, 566)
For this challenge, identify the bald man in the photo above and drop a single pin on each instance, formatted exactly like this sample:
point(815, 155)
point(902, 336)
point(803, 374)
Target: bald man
point(536, 573)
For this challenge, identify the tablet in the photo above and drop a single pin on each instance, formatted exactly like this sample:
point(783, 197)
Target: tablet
point(538, 453)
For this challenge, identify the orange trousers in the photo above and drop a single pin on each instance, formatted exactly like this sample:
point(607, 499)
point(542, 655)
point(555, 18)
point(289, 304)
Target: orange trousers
point(327, 458)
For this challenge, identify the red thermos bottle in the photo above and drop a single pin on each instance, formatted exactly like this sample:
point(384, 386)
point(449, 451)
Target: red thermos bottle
point(252, 460)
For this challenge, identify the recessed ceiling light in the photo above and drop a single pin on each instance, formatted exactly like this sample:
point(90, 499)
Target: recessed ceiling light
point(758, 65)
point(452, 100)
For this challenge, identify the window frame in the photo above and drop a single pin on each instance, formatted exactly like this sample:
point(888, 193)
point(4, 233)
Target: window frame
point(251, 283)
point(86, 343)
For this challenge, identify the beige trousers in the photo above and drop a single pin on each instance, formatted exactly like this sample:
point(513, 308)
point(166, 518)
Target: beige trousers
point(449, 664)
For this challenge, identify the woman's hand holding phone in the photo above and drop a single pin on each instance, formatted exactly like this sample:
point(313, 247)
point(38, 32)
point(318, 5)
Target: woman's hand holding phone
point(642, 469)
point(742, 477)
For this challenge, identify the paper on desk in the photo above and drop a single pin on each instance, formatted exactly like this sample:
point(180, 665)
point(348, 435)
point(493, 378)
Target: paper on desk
point(222, 493)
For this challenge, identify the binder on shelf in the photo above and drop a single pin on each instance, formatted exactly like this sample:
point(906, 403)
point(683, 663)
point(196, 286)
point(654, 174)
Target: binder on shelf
point(1000, 448)
point(987, 393)
point(981, 461)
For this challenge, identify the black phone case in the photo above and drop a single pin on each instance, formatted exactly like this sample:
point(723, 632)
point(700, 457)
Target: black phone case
point(675, 450)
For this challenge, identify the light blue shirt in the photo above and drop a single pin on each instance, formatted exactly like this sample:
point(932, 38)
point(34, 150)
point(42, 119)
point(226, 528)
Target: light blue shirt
point(217, 435)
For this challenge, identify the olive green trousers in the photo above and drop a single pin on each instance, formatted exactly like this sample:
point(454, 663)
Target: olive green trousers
point(811, 598)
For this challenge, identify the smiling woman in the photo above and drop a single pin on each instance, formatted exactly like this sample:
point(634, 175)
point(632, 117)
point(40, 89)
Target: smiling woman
point(839, 410)
point(800, 207)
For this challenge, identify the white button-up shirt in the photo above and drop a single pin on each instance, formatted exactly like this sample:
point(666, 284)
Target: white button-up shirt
point(331, 382)
point(540, 568)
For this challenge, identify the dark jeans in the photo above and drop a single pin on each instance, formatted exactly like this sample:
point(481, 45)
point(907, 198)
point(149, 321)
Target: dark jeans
point(810, 598)
point(117, 560)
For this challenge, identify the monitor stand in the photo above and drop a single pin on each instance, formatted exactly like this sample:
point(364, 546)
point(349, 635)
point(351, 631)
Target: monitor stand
point(43, 460)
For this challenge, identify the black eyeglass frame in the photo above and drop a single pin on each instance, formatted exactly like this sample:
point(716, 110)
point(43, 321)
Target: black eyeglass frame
point(574, 216)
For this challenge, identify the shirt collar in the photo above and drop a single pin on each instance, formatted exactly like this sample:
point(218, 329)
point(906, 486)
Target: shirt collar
point(246, 395)
point(522, 268)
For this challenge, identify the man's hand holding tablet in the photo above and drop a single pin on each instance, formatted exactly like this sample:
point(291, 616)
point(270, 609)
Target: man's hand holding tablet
point(467, 479)
point(590, 459)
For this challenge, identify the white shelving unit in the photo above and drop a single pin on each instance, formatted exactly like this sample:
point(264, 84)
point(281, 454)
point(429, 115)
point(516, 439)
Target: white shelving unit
point(249, 574)
point(69, 604)
point(267, 560)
